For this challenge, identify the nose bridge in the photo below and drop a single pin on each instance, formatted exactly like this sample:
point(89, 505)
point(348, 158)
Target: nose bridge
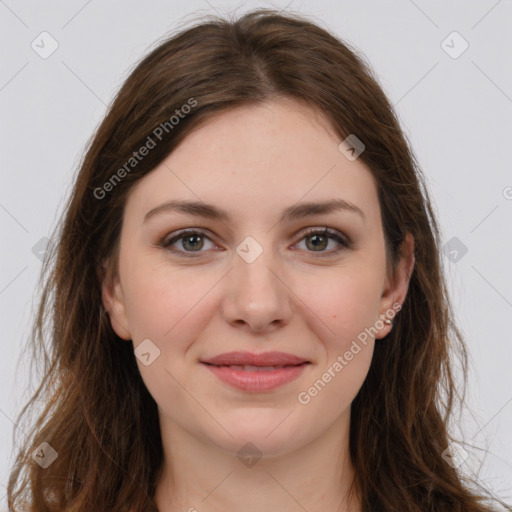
point(256, 295)
point(253, 264)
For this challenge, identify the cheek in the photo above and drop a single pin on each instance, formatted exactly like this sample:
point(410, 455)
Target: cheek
point(349, 306)
point(164, 304)
point(169, 308)
point(333, 387)
point(347, 301)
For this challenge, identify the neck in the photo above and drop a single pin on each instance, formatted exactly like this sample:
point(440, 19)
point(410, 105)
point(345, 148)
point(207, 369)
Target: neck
point(200, 477)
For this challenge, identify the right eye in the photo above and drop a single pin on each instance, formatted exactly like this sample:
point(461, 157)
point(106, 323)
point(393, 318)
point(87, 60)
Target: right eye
point(189, 240)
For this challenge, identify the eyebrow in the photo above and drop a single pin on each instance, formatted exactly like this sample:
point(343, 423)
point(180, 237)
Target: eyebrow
point(294, 212)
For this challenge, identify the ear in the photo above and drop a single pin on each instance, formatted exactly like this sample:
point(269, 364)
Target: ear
point(395, 289)
point(113, 302)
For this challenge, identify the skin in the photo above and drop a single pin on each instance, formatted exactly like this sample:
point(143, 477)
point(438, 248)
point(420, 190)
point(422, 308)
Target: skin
point(254, 161)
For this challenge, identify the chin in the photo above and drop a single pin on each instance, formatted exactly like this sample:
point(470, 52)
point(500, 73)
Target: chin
point(262, 427)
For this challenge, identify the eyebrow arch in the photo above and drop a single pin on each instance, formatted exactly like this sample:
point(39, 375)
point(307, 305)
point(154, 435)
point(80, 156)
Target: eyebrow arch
point(294, 212)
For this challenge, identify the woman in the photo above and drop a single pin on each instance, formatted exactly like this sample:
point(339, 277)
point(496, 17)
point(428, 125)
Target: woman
point(247, 305)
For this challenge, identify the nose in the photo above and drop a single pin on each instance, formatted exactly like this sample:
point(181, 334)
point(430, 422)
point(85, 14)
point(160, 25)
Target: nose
point(257, 298)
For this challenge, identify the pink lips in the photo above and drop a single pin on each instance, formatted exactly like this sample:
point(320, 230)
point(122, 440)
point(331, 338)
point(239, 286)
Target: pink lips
point(256, 372)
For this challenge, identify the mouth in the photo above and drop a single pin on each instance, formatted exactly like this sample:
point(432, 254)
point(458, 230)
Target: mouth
point(253, 368)
point(256, 373)
point(265, 359)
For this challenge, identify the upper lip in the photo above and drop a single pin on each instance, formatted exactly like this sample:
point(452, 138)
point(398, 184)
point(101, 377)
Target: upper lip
point(249, 359)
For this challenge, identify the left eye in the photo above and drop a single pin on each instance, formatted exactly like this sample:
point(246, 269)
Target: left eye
point(319, 240)
point(192, 241)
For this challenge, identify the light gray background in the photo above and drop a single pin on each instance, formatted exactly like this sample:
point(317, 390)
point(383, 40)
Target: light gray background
point(455, 111)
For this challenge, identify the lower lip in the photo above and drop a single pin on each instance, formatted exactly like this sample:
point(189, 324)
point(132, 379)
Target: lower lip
point(257, 381)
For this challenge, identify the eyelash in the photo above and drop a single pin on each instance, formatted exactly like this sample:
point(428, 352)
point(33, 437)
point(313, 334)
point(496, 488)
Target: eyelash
point(344, 242)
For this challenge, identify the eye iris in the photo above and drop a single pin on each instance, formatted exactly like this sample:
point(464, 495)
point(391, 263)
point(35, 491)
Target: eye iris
point(189, 239)
point(318, 238)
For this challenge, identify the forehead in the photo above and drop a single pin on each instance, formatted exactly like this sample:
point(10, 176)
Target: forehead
point(257, 160)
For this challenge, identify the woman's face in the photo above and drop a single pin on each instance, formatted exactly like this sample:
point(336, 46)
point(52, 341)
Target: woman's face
point(251, 279)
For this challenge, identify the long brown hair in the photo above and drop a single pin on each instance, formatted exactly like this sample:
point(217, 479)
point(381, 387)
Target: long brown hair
point(97, 413)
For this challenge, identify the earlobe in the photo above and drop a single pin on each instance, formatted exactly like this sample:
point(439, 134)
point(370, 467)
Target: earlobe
point(113, 302)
